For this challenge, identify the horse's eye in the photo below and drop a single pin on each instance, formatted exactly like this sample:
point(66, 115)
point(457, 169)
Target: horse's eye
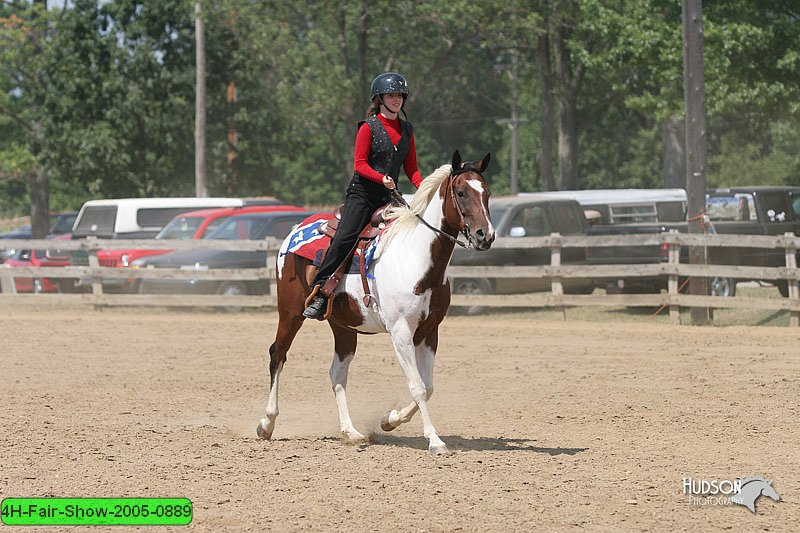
point(460, 194)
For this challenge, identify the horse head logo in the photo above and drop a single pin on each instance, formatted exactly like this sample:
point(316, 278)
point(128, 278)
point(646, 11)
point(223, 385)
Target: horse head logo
point(752, 488)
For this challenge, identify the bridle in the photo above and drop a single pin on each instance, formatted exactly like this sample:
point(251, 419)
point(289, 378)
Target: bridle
point(466, 167)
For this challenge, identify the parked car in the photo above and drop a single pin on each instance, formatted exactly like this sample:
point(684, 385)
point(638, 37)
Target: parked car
point(60, 224)
point(138, 218)
point(525, 216)
point(36, 258)
point(191, 225)
point(248, 226)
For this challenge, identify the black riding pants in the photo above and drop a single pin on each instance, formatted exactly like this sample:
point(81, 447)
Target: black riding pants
point(363, 197)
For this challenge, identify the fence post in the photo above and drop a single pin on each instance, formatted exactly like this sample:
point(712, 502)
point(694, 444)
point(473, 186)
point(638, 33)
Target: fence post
point(556, 287)
point(94, 264)
point(7, 280)
point(672, 282)
point(794, 288)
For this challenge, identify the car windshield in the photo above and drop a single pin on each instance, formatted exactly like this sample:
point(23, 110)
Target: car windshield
point(240, 228)
point(62, 223)
point(180, 227)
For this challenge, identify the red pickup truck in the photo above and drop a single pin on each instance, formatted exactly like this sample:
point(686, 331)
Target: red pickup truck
point(187, 226)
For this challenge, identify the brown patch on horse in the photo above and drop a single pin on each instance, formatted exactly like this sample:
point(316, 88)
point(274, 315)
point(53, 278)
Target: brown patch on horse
point(428, 328)
point(346, 311)
point(345, 340)
point(435, 276)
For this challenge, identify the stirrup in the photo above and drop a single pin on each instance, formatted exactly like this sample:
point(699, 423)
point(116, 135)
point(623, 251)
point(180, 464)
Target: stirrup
point(316, 309)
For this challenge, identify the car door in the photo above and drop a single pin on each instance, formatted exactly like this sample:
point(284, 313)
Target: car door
point(533, 220)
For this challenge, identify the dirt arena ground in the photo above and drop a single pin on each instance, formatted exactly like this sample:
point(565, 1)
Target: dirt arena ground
point(555, 425)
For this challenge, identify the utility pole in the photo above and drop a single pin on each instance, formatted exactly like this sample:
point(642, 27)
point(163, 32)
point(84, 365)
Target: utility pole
point(200, 181)
point(695, 104)
point(513, 123)
point(233, 140)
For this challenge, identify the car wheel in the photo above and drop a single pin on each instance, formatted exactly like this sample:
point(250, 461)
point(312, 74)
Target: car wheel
point(232, 288)
point(471, 287)
point(725, 287)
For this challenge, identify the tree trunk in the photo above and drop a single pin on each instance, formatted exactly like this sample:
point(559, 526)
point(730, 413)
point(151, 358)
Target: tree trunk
point(546, 132)
point(568, 79)
point(200, 180)
point(673, 153)
point(38, 180)
point(567, 143)
point(39, 190)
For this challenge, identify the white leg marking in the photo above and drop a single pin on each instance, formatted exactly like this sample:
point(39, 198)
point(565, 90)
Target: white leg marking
point(425, 359)
point(402, 338)
point(267, 425)
point(338, 375)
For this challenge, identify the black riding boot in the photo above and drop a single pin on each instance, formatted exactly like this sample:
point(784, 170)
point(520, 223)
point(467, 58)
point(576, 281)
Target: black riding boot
point(317, 307)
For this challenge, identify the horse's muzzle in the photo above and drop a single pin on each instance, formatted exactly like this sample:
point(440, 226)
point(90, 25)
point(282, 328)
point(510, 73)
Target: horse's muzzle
point(482, 240)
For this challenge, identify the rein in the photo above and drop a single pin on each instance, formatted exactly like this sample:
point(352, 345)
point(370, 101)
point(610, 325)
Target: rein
point(468, 167)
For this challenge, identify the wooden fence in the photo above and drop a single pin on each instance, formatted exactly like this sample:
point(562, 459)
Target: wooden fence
point(672, 269)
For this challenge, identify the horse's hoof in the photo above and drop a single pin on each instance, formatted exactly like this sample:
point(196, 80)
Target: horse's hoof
point(263, 433)
point(385, 424)
point(354, 438)
point(439, 450)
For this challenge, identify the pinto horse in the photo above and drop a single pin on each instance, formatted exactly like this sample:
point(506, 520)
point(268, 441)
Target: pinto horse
point(410, 293)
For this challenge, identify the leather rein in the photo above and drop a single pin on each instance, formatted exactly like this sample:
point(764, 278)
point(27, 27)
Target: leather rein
point(467, 167)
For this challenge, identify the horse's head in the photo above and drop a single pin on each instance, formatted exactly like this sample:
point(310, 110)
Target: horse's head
point(466, 201)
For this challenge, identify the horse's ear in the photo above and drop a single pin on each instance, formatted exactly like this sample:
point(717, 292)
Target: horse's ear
point(483, 164)
point(456, 160)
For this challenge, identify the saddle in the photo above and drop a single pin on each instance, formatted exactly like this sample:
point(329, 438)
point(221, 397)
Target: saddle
point(375, 225)
point(370, 231)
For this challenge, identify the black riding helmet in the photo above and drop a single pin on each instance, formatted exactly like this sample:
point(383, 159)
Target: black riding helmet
point(388, 83)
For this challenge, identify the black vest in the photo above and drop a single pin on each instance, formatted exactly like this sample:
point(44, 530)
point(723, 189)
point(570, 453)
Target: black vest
point(384, 156)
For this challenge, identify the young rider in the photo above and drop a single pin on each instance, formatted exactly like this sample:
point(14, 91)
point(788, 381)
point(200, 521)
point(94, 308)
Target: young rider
point(384, 144)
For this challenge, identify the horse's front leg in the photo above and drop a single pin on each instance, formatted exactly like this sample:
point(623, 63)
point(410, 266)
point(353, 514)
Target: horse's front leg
point(425, 356)
point(402, 338)
point(344, 350)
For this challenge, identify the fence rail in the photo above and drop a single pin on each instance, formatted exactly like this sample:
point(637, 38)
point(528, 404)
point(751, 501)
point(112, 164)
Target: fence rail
point(556, 272)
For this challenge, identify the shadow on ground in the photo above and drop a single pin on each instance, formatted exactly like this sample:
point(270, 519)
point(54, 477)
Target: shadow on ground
point(456, 443)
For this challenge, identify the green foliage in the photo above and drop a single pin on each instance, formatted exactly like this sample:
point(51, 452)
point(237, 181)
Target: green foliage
point(101, 94)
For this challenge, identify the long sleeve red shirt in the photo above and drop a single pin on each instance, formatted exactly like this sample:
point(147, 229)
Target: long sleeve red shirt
point(364, 142)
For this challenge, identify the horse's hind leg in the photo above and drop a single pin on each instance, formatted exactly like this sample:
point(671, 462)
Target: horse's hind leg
point(344, 350)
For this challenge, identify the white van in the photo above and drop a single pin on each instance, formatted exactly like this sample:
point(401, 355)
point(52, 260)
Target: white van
point(138, 218)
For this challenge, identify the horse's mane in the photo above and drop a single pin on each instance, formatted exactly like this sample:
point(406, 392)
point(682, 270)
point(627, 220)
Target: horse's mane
point(405, 218)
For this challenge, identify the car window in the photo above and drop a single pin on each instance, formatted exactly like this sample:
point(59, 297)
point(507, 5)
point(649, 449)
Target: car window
point(795, 196)
point(533, 220)
point(281, 227)
point(777, 206)
point(570, 221)
point(739, 206)
point(62, 223)
point(240, 228)
point(213, 225)
point(180, 227)
point(98, 220)
point(497, 213)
